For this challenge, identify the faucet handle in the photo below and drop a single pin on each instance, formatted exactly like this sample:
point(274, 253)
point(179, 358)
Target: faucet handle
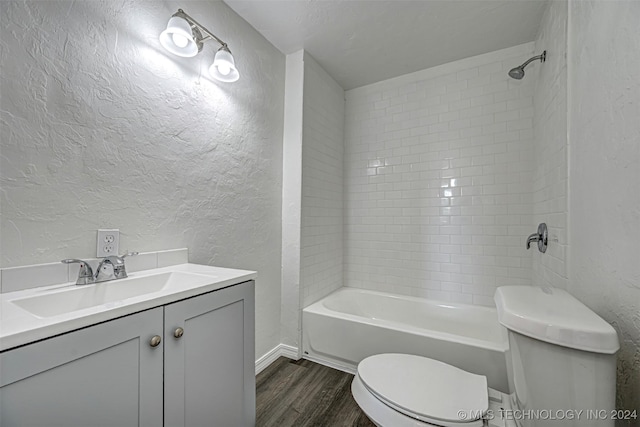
point(85, 268)
point(119, 268)
point(85, 275)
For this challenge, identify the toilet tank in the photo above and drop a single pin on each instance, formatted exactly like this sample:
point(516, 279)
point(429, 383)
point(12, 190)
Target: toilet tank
point(561, 362)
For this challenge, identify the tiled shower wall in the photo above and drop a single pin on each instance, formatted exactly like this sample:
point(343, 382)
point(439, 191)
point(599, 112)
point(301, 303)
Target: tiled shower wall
point(321, 243)
point(438, 180)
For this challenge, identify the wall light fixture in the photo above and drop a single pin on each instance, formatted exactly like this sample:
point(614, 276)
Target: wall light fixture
point(184, 37)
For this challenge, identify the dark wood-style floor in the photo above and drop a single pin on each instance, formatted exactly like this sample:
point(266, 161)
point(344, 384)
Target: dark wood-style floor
point(302, 393)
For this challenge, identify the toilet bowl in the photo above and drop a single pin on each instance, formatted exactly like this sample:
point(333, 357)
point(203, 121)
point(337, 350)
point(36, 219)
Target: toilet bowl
point(562, 358)
point(403, 390)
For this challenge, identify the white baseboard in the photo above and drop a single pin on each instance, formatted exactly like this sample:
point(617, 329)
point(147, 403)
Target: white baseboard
point(289, 351)
point(272, 355)
point(344, 367)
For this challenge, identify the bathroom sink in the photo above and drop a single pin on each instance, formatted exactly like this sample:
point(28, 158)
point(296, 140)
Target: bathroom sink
point(108, 294)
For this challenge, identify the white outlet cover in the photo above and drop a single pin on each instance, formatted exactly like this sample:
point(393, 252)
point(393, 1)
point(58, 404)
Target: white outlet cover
point(108, 242)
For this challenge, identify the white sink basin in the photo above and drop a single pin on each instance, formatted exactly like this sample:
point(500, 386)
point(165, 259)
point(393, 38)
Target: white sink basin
point(109, 294)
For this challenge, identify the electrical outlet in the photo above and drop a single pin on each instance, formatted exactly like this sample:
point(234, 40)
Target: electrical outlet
point(108, 242)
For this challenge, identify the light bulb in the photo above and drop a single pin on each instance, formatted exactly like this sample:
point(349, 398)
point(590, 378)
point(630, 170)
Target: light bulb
point(179, 40)
point(224, 69)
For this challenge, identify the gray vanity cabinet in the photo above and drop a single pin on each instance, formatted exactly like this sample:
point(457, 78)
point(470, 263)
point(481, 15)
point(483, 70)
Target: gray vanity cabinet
point(209, 374)
point(110, 375)
point(104, 375)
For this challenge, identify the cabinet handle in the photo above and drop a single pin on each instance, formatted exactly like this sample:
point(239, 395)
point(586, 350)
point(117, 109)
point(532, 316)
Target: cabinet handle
point(178, 332)
point(155, 341)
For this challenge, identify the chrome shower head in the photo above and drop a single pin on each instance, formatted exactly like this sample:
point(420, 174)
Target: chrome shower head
point(518, 72)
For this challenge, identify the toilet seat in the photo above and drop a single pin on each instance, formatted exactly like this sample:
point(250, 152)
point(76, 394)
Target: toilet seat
point(425, 389)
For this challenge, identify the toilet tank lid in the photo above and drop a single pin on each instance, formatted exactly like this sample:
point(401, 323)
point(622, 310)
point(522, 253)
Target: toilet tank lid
point(553, 315)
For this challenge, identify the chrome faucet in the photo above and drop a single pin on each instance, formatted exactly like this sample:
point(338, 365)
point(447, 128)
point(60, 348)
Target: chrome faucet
point(109, 268)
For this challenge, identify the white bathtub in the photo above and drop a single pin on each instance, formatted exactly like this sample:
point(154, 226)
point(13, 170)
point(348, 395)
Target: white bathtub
point(350, 324)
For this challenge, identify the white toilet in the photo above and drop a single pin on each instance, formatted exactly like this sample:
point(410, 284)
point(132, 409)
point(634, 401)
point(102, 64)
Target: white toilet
point(561, 369)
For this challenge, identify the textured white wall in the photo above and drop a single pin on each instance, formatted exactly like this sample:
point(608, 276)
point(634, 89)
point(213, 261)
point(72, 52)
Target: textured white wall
point(100, 127)
point(550, 179)
point(322, 186)
point(604, 183)
point(438, 180)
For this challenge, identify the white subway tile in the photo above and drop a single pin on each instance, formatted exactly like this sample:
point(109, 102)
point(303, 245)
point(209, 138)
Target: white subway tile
point(457, 166)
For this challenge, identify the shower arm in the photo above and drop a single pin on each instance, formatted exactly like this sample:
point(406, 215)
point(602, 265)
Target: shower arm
point(541, 57)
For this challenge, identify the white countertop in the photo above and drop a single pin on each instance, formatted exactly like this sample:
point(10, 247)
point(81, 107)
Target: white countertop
point(18, 326)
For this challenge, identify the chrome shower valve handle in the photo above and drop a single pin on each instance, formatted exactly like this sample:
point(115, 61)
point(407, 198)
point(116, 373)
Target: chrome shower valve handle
point(541, 237)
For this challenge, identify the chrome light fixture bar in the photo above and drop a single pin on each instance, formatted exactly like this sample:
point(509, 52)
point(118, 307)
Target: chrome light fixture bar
point(184, 37)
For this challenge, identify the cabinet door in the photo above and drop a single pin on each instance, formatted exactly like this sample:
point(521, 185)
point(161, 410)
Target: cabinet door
point(209, 370)
point(104, 375)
